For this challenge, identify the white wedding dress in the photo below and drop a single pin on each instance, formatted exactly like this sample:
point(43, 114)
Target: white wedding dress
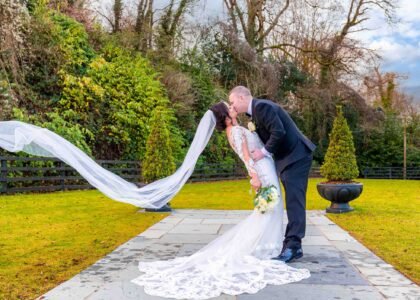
point(238, 261)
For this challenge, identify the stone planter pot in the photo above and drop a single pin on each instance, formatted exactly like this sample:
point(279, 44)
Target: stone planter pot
point(340, 194)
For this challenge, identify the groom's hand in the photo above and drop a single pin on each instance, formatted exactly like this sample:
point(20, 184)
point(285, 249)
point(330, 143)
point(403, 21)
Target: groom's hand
point(257, 154)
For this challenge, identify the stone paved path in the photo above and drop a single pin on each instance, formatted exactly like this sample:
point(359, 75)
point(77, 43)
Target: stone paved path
point(341, 267)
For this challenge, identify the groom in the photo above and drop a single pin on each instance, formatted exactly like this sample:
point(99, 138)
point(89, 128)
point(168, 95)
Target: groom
point(292, 153)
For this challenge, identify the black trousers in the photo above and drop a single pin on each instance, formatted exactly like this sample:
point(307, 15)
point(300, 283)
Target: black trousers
point(295, 182)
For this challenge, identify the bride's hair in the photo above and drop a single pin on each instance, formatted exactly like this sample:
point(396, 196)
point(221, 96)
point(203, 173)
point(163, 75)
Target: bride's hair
point(221, 112)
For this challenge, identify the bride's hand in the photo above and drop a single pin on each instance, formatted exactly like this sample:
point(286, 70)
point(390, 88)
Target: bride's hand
point(255, 183)
point(257, 154)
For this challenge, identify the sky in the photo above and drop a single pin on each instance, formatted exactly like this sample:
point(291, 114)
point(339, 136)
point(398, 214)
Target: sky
point(398, 44)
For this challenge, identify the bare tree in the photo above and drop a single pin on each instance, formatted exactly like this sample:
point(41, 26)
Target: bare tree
point(144, 24)
point(382, 89)
point(113, 14)
point(328, 41)
point(118, 11)
point(63, 4)
point(169, 24)
point(13, 48)
point(255, 19)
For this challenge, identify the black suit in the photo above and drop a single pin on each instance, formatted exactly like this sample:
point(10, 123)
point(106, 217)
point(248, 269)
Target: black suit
point(292, 152)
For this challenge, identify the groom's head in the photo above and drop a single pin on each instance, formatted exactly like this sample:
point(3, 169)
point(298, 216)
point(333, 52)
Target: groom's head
point(239, 98)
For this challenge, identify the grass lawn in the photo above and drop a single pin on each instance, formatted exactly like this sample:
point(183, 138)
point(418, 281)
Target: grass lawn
point(48, 238)
point(387, 221)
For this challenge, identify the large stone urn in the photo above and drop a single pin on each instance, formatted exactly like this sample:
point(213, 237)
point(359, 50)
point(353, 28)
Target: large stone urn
point(340, 194)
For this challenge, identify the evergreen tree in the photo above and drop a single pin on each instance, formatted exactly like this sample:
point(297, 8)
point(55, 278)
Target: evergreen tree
point(340, 160)
point(159, 160)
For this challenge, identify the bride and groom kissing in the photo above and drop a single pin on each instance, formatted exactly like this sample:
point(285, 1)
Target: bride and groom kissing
point(253, 253)
point(289, 148)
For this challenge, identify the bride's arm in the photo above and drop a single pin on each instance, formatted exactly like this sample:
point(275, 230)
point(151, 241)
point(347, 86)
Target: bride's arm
point(237, 140)
point(255, 181)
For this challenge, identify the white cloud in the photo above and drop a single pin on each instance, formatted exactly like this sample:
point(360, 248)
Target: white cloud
point(398, 44)
point(409, 30)
point(408, 10)
point(396, 51)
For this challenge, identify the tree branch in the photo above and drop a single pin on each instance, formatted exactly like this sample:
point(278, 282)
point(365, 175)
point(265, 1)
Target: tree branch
point(276, 19)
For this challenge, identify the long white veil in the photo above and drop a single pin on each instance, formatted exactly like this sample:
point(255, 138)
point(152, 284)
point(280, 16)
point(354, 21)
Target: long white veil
point(18, 136)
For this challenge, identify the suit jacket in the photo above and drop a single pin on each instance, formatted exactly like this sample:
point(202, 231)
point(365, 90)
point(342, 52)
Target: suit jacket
point(279, 133)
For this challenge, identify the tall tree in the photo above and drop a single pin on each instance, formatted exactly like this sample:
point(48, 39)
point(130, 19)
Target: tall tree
point(144, 24)
point(117, 9)
point(255, 19)
point(169, 24)
point(382, 90)
point(329, 41)
point(13, 48)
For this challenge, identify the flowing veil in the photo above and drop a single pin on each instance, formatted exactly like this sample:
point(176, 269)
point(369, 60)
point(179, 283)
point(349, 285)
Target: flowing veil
point(18, 136)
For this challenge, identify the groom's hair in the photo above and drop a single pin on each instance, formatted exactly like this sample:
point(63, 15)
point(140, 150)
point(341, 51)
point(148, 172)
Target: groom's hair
point(221, 112)
point(240, 90)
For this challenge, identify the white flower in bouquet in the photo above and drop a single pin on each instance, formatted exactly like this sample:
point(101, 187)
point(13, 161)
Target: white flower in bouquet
point(273, 195)
point(262, 208)
point(271, 204)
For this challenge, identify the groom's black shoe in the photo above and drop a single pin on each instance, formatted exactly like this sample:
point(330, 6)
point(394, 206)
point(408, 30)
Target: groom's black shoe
point(289, 254)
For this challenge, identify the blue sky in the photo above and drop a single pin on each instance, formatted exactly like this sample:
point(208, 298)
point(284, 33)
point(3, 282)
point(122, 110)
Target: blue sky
point(399, 45)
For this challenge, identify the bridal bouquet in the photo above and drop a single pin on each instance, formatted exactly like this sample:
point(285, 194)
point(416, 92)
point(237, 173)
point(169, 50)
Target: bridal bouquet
point(266, 199)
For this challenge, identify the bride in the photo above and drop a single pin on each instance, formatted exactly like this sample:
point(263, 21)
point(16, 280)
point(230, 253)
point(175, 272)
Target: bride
point(236, 262)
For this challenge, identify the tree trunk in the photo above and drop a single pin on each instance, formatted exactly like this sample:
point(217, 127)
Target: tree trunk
point(144, 24)
point(117, 8)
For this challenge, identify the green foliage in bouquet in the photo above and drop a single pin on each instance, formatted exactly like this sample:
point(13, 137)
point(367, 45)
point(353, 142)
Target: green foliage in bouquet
point(340, 160)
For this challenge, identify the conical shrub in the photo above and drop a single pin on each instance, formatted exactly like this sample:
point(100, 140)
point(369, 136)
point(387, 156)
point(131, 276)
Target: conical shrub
point(159, 160)
point(340, 159)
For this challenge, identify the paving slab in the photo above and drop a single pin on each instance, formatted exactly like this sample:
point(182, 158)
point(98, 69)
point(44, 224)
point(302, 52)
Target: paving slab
point(315, 292)
point(196, 228)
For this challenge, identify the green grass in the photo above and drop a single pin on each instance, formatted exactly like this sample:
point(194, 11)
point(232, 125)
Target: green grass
point(48, 238)
point(386, 220)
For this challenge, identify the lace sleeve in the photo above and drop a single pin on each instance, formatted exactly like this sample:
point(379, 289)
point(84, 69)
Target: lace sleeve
point(240, 146)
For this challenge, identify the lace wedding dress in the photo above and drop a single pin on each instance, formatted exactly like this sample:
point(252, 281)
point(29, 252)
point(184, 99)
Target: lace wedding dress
point(236, 262)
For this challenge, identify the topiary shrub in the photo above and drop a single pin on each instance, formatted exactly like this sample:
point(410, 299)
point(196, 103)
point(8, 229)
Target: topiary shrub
point(340, 160)
point(159, 160)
